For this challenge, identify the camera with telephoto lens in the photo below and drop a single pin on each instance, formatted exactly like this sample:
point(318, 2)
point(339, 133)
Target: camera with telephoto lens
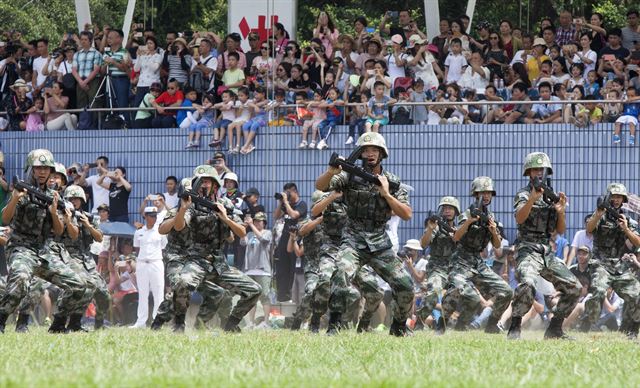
point(56, 53)
point(293, 229)
point(278, 196)
point(307, 50)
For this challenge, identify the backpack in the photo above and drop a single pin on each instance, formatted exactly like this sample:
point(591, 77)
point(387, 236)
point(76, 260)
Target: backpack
point(198, 80)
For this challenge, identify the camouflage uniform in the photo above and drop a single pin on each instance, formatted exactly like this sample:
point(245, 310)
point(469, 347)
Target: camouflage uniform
point(334, 218)
point(85, 266)
point(311, 242)
point(37, 288)
point(365, 241)
point(608, 270)
point(536, 258)
point(469, 269)
point(441, 249)
point(28, 255)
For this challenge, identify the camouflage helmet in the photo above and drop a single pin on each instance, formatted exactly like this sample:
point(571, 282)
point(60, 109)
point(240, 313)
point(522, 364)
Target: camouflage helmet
point(450, 201)
point(373, 139)
point(207, 171)
point(316, 196)
point(618, 189)
point(75, 191)
point(62, 170)
point(185, 183)
point(40, 157)
point(537, 160)
point(260, 216)
point(482, 183)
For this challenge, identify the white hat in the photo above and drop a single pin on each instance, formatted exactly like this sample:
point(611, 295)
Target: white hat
point(413, 244)
point(151, 210)
point(231, 176)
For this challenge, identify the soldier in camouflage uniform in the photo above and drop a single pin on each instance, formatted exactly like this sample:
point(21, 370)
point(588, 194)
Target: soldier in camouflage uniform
point(613, 236)
point(205, 260)
point(441, 247)
point(178, 272)
point(537, 218)
point(31, 223)
point(333, 211)
point(469, 269)
point(83, 264)
point(311, 234)
point(365, 241)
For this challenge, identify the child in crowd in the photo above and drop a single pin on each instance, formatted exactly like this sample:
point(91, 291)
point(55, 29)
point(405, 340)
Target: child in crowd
point(144, 118)
point(243, 114)
point(34, 119)
point(186, 117)
point(207, 115)
point(172, 97)
point(227, 110)
point(259, 120)
point(233, 77)
point(358, 116)
point(301, 113)
point(378, 108)
point(277, 114)
point(544, 75)
point(420, 114)
point(577, 78)
point(612, 111)
point(629, 117)
point(319, 114)
point(401, 114)
point(334, 110)
point(456, 63)
point(589, 113)
point(591, 86)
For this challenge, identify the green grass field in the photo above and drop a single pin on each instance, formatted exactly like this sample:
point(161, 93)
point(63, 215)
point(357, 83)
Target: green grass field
point(125, 358)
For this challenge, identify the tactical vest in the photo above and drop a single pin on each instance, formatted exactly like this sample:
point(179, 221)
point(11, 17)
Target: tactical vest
point(178, 241)
point(31, 224)
point(442, 245)
point(207, 230)
point(365, 205)
point(541, 222)
point(312, 242)
point(476, 238)
point(608, 239)
point(334, 218)
point(79, 246)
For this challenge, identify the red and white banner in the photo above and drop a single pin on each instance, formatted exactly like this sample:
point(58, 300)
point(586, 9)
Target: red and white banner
point(246, 16)
point(633, 205)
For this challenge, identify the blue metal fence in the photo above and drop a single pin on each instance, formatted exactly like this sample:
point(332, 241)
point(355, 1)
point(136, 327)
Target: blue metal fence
point(434, 160)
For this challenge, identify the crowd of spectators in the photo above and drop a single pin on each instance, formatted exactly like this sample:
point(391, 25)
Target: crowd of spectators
point(226, 92)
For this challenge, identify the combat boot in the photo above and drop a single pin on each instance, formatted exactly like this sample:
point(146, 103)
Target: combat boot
point(554, 331)
point(334, 323)
point(157, 323)
point(632, 332)
point(178, 324)
point(295, 324)
point(22, 325)
point(314, 323)
point(399, 329)
point(460, 325)
point(58, 326)
point(364, 326)
point(514, 329)
point(492, 326)
point(98, 324)
point(3, 321)
point(441, 326)
point(585, 326)
point(232, 324)
point(75, 324)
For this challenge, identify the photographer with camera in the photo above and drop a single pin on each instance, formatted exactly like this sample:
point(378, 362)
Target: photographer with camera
point(156, 200)
point(293, 209)
point(42, 66)
point(148, 63)
point(10, 68)
point(119, 191)
point(117, 63)
point(99, 194)
point(326, 31)
point(54, 101)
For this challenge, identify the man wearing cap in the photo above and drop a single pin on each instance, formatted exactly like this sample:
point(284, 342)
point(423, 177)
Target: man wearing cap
point(469, 273)
point(149, 243)
point(614, 234)
point(205, 63)
point(254, 50)
point(157, 201)
point(347, 53)
point(537, 216)
point(31, 224)
point(441, 247)
point(365, 241)
point(397, 59)
point(219, 162)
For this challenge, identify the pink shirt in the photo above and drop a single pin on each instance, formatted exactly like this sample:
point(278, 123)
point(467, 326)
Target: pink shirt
point(54, 107)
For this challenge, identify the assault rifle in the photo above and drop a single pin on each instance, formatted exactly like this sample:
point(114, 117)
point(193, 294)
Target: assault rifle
point(201, 203)
point(549, 196)
point(349, 166)
point(477, 209)
point(39, 197)
point(437, 218)
point(613, 214)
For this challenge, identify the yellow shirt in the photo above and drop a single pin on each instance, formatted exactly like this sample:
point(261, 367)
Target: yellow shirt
point(532, 67)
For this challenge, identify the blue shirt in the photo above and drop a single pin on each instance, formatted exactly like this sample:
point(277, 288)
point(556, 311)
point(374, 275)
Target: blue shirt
point(631, 110)
point(378, 110)
point(334, 113)
point(182, 114)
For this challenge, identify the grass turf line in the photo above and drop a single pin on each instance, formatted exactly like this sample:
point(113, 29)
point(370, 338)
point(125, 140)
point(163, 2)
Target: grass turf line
point(124, 358)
